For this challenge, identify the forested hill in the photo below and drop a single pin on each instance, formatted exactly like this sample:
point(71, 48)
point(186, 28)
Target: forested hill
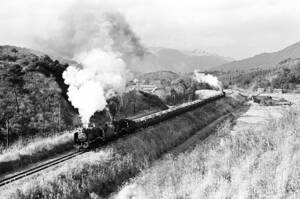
point(33, 94)
point(285, 75)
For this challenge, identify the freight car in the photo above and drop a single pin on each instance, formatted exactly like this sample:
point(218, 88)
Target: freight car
point(88, 137)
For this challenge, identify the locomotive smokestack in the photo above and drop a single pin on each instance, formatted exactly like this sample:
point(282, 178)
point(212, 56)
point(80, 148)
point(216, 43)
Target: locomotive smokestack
point(108, 113)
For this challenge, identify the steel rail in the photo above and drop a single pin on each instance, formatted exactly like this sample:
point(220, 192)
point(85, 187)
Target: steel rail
point(39, 168)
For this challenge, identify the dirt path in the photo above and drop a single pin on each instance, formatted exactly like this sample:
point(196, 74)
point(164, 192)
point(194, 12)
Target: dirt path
point(258, 115)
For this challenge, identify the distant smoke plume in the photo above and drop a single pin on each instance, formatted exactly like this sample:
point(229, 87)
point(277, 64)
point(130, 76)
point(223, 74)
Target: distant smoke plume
point(209, 79)
point(103, 44)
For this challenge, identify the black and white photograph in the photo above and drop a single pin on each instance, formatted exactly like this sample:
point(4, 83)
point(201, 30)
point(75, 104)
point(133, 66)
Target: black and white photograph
point(149, 99)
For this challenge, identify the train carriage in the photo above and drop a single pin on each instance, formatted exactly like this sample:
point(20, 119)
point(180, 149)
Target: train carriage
point(88, 136)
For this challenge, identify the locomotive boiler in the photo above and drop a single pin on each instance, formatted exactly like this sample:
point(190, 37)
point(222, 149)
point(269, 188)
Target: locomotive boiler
point(86, 138)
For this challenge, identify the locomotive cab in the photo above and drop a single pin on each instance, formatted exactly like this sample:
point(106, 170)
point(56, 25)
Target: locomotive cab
point(76, 141)
point(109, 130)
point(86, 137)
point(76, 136)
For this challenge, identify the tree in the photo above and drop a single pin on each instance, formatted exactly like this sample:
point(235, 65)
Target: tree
point(15, 80)
point(5, 116)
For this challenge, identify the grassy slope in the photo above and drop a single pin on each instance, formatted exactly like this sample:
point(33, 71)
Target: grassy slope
point(20, 155)
point(250, 163)
point(100, 173)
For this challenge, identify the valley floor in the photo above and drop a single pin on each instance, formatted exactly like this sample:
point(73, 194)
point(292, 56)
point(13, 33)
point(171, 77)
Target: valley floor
point(255, 156)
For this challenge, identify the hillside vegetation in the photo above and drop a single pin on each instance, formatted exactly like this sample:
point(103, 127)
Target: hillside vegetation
point(33, 96)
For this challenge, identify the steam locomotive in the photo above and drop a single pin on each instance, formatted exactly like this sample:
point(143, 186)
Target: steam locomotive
point(86, 138)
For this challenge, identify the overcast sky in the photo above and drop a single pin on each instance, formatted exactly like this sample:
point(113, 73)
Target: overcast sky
point(234, 28)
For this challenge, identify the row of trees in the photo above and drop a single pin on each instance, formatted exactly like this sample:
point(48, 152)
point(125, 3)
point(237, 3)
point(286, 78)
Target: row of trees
point(285, 77)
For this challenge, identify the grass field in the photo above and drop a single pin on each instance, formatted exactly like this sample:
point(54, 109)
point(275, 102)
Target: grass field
point(255, 161)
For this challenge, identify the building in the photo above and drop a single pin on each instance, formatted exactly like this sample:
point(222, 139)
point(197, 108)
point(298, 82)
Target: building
point(297, 88)
point(269, 90)
point(147, 88)
point(260, 90)
point(277, 90)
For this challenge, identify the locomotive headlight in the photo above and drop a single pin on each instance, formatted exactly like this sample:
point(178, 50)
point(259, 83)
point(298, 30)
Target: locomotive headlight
point(82, 137)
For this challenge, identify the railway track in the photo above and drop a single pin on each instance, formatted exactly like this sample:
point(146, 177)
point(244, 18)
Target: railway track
point(39, 168)
point(145, 121)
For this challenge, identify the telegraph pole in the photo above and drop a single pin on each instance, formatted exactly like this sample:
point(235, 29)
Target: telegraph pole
point(59, 115)
point(7, 131)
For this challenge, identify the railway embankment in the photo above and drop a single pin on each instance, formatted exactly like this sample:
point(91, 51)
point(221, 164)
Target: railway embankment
point(101, 172)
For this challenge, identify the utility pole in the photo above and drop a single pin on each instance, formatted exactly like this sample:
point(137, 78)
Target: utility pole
point(133, 104)
point(59, 116)
point(7, 131)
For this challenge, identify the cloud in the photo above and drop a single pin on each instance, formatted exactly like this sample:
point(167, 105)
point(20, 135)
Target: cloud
point(237, 28)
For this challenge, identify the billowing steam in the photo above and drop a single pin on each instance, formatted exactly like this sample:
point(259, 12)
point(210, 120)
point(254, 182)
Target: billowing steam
point(209, 79)
point(102, 73)
point(103, 44)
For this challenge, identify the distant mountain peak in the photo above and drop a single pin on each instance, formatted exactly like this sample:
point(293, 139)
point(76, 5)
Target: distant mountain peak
point(199, 52)
point(194, 52)
point(160, 58)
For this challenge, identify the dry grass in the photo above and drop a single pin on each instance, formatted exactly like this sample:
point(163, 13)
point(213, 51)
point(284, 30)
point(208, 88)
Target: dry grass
point(252, 163)
point(22, 154)
point(98, 174)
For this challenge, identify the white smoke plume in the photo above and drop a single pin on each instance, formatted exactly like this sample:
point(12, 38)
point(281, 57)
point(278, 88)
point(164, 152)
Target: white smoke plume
point(101, 74)
point(103, 44)
point(209, 79)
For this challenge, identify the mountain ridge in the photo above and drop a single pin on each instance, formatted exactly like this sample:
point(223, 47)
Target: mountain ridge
point(263, 60)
